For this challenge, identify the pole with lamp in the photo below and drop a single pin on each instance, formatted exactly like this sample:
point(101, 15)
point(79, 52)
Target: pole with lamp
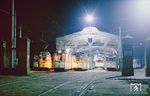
point(89, 19)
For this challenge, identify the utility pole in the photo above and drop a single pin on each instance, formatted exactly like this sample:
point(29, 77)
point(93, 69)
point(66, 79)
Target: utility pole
point(105, 50)
point(120, 48)
point(13, 37)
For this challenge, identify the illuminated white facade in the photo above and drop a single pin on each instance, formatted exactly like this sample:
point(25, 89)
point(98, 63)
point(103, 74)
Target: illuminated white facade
point(77, 42)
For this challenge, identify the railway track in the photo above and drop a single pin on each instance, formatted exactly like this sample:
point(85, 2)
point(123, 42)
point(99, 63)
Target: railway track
point(55, 88)
point(89, 86)
point(48, 77)
point(48, 91)
point(84, 87)
point(57, 84)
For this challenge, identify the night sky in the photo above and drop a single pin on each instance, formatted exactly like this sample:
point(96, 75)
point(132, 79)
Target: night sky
point(48, 19)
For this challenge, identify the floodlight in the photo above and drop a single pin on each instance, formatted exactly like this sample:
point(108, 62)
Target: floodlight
point(89, 18)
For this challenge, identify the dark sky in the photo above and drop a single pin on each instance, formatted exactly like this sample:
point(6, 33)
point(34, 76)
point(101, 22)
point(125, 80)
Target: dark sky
point(47, 19)
point(67, 16)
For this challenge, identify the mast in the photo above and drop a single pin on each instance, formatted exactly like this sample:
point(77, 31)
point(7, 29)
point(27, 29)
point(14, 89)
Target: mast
point(13, 38)
point(120, 47)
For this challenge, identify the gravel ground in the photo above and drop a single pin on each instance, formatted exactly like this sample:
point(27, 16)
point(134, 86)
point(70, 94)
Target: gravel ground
point(71, 83)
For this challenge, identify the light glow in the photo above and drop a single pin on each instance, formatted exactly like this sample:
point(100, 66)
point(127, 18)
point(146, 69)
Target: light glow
point(59, 51)
point(89, 18)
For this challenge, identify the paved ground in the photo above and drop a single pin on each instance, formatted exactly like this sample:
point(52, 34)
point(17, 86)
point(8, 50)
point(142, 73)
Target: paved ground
point(73, 83)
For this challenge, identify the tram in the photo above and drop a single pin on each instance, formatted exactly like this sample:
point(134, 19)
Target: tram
point(80, 63)
point(111, 64)
point(43, 61)
point(59, 62)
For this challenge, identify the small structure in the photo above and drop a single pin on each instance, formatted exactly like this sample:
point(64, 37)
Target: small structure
point(147, 56)
point(127, 67)
point(23, 67)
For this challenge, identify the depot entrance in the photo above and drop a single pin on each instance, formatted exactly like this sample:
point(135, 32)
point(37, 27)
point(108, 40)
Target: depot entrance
point(88, 49)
